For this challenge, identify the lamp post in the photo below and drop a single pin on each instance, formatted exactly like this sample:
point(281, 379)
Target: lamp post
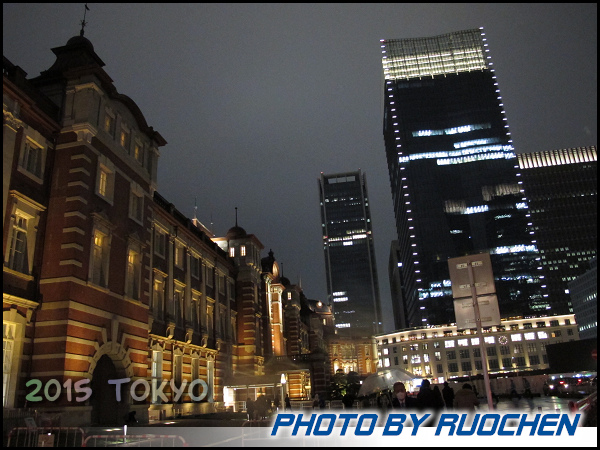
point(283, 382)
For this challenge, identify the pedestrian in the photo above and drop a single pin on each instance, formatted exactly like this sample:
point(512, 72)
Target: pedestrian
point(426, 397)
point(322, 401)
point(288, 403)
point(316, 401)
point(439, 400)
point(250, 408)
point(348, 400)
point(262, 407)
point(448, 394)
point(466, 398)
point(399, 396)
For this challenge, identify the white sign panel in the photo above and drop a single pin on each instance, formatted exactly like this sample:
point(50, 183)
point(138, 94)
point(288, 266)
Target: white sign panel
point(488, 311)
point(482, 274)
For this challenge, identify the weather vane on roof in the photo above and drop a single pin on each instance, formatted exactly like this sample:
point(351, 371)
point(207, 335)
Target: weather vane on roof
point(83, 22)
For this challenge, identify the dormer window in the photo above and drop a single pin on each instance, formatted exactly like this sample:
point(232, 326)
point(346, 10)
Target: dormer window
point(138, 153)
point(109, 123)
point(125, 136)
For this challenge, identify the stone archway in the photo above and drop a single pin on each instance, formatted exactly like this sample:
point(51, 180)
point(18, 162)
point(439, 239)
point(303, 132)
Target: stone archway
point(103, 400)
point(109, 363)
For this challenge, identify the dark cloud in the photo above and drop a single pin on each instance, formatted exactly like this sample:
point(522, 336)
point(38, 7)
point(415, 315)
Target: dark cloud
point(256, 100)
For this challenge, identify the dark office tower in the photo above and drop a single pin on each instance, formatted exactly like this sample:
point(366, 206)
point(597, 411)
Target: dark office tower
point(352, 284)
point(453, 177)
point(562, 192)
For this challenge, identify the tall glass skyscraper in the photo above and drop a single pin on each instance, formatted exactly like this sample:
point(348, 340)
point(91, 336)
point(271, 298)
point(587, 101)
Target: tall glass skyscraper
point(562, 193)
point(453, 175)
point(352, 284)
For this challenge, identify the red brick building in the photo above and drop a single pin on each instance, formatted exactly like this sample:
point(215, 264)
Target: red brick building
point(103, 279)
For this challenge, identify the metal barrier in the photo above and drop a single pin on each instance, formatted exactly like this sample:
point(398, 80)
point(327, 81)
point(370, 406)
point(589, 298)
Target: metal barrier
point(584, 404)
point(134, 440)
point(46, 437)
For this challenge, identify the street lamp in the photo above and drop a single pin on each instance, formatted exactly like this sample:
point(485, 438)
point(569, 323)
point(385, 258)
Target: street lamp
point(283, 381)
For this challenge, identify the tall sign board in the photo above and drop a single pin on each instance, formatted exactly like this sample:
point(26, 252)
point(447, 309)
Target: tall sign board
point(485, 290)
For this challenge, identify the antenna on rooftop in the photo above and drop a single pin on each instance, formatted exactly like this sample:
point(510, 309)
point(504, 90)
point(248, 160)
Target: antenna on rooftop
point(236, 216)
point(83, 22)
point(195, 209)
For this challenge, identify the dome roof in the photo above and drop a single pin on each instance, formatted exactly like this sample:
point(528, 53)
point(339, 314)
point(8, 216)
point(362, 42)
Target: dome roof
point(236, 233)
point(80, 40)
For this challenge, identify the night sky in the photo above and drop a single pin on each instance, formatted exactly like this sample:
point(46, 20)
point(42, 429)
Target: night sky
point(256, 100)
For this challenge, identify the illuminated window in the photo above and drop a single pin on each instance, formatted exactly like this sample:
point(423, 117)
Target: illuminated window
point(98, 273)
point(8, 342)
point(134, 271)
point(179, 252)
point(102, 186)
point(158, 296)
point(232, 252)
point(242, 250)
point(463, 342)
point(157, 369)
point(489, 340)
point(125, 136)
point(529, 336)
point(449, 344)
point(138, 153)
point(109, 123)
point(105, 179)
point(516, 337)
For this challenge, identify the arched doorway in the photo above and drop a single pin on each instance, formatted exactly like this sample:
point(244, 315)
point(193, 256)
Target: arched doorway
point(105, 408)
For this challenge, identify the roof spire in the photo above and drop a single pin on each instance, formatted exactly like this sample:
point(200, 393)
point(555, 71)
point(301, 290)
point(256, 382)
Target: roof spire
point(83, 22)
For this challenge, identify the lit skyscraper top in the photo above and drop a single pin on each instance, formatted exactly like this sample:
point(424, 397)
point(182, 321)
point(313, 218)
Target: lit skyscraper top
point(462, 51)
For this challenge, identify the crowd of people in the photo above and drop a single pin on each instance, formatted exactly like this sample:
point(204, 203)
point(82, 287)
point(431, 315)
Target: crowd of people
point(427, 398)
point(434, 398)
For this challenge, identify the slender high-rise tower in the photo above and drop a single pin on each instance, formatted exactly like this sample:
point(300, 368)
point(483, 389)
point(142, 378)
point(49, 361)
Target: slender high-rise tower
point(453, 174)
point(352, 284)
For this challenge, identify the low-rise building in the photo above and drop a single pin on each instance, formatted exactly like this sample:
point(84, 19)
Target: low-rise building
point(440, 353)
